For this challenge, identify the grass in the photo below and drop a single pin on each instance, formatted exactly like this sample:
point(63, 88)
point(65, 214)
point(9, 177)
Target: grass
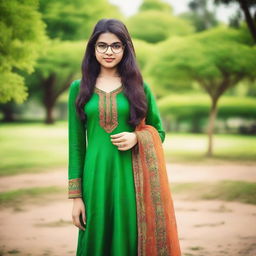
point(37, 147)
point(16, 198)
point(58, 223)
point(226, 190)
point(32, 147)
point(237, 191)
point(191, 148)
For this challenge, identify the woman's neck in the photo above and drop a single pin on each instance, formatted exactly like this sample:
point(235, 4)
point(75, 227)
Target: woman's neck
point(108, 73)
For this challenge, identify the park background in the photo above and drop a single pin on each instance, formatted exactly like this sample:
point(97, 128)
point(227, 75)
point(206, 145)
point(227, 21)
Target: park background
point(201, 69)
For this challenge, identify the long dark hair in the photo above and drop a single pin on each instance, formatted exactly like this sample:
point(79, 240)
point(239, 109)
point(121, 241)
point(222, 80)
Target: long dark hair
point(127, 68)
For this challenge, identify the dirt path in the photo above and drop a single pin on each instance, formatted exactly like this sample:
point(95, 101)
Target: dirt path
point(56, 177)
point(212, 228)
point(176, 173)
point(194, 173)
point(216, 228)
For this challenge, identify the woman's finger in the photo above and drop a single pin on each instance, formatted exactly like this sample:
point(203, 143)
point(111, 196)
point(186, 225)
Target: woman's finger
point(83, 216)
point(78, 223)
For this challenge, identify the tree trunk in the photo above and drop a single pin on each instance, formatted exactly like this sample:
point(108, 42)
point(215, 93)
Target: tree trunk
point(212, 118)
point(8, 116)
point(51, 95)
point(248, 18)
point(49, 115)
point(9, 110)
point(49, 99)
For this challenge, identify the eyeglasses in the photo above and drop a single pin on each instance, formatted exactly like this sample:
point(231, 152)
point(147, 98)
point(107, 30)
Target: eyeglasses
point(103, 47)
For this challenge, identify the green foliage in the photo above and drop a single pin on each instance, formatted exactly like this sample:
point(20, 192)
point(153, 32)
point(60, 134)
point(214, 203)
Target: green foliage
point(74, 20)
point(190, 105)
point(155, 5)
point(7, 88)
point(22, 38)
point(62, 61)
point(200, 15)
point(224, 34)
point(143, 49)
point(251, 3)
point(208, 58)
point(245, 35)
point(62, 58)
point(169, 67)
point(228, 55)
point(155, 26)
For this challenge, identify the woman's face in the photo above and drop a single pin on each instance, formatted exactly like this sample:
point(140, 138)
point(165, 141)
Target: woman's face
point(105, 56)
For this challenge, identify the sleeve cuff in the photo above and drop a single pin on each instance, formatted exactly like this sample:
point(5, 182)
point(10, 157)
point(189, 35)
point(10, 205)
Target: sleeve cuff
point(74, 188)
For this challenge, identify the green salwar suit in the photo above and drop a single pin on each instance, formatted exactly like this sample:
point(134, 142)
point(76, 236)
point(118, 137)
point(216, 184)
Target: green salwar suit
point(101, 174)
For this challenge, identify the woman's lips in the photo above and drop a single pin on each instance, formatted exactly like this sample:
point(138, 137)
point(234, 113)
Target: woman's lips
point(108, 59)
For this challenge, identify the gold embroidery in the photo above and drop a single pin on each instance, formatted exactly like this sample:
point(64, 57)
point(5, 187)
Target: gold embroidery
point(108, 108)
point(145, 153)
point(74, 188)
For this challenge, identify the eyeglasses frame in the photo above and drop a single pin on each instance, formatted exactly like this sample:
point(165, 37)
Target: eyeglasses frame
point(108, 45)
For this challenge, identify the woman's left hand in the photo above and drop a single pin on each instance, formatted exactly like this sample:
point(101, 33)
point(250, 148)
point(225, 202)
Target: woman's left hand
point(124, 140)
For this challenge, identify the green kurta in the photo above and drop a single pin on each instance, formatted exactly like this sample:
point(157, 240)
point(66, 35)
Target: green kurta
point(101, 174)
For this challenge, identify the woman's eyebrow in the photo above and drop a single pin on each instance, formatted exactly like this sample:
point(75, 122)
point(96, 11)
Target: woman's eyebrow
point(111, 43)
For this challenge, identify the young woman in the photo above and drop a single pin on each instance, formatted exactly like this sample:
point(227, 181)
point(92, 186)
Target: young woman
point(121, 198)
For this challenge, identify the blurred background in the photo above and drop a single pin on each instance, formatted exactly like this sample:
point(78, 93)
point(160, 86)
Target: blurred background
point(199, 59)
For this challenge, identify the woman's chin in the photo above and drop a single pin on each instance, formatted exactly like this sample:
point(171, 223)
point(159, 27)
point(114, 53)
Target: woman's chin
point(109, 65)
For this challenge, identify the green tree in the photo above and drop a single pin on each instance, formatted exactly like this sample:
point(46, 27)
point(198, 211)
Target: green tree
point(216, 59)
point(155, 26)
point(247, 6)
point(74, 20)
point(54, 72)
point(143, 49)
point(155, 5)
point(201, 16)
point(22, 39)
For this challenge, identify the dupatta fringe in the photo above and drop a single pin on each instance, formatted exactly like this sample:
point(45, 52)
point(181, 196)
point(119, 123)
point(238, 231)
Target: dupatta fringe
point(157, 228)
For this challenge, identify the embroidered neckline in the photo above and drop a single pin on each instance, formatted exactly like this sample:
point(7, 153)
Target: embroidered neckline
point(108, 108)
point(96, 89)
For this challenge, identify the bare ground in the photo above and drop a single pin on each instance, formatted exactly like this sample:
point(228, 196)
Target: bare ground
point(206, 228)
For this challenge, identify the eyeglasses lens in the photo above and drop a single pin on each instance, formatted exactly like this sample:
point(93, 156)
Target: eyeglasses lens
point(102, 47)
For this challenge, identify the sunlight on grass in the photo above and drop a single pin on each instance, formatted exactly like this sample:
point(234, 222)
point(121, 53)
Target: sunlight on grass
point(192, 148)
point(32, 147)
point(36, 147)
point(19, 196)
point(227, 190)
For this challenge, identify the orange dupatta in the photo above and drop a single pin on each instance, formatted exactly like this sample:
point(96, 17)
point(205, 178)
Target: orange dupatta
point(157, 228)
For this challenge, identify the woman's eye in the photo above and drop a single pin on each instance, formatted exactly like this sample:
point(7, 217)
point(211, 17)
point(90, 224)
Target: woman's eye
point(117, 46)
point(102, 46)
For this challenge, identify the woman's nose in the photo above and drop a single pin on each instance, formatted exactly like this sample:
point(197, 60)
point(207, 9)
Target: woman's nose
point(109, 50)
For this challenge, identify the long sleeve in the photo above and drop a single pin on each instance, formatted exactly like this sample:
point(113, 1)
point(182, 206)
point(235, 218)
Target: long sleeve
point(76, 144)
point(153, 115)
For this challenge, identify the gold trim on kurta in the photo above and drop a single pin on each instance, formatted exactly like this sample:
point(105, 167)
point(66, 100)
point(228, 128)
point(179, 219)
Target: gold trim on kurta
point(74, 188)
point(108, 108)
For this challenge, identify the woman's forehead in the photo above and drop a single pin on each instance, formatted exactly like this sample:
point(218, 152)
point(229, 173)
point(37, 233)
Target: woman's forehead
point(108, 38)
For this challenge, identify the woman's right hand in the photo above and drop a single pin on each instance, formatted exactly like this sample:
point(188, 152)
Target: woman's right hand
point(78, 209)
